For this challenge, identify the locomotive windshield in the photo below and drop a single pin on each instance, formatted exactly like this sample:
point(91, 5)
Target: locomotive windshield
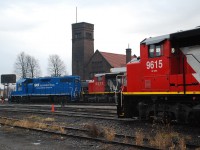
point(19, 87)
point(20, 83)
point(155, 51)
point(77, 80)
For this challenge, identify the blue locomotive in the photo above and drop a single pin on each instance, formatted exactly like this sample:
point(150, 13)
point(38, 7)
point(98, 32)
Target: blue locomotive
point(52, 89)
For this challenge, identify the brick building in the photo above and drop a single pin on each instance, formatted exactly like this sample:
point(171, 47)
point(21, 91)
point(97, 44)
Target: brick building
point(86, 62)
point(82, 47)
point(102, 62)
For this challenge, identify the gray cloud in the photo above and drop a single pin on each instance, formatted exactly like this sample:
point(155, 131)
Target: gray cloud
point(45, 25)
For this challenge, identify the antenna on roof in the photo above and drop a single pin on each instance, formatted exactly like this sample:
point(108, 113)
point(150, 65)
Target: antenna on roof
point(76, 14)
point(128, 45)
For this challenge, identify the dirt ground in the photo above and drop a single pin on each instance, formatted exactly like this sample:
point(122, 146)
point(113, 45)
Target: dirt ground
point(20, 139)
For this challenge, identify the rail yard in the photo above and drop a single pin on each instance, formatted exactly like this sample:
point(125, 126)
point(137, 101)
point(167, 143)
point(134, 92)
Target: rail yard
point(172, 59)
point(91, 126)
point(152, 103)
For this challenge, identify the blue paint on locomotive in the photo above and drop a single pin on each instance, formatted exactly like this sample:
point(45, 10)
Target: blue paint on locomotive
point(49, 86)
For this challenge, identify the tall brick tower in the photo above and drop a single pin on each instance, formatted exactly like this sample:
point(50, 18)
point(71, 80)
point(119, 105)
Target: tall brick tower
point(82, 47)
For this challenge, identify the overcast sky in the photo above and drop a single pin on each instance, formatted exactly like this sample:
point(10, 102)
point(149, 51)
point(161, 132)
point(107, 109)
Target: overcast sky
point(43, 27)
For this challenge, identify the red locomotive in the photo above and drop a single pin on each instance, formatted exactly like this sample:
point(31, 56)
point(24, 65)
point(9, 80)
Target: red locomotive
point(102, 88)
point(165, 82)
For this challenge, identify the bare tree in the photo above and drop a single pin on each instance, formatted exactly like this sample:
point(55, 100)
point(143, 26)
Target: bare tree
point(26, 66)
point(56, 66)
point(21, 65)
point(33, 67)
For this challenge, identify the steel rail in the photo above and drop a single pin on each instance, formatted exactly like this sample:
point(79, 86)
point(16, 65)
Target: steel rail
point(80, 136)
point(191, 146)
point(117, 141)
point(70, 114)
point(66, 113)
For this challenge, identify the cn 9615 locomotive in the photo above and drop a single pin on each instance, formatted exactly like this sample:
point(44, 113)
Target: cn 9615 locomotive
point(53, 89)
point(165, 82)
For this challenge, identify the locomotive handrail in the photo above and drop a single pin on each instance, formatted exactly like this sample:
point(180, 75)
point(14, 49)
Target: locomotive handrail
point(119, 90)
point(117, 82)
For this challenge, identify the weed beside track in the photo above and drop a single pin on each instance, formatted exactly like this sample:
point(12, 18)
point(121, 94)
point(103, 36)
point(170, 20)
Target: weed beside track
point(129, 132)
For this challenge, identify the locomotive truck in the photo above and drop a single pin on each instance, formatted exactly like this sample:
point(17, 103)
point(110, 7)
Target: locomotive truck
point(164, 84)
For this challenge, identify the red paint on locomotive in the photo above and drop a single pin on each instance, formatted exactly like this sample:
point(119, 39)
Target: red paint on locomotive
point(97, 84)
point(161, 72)
point(165, 81)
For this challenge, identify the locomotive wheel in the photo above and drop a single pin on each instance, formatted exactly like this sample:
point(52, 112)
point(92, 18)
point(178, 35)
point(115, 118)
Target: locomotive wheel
point(127, 112)
point(127, 108)
point(120, 113)
point(167, 118)
point(151, 117)
point(192, 119)
point(68, 99)
point(18, 99)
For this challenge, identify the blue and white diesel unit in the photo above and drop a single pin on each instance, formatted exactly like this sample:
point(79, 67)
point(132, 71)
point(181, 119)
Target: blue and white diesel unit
point(54, 89)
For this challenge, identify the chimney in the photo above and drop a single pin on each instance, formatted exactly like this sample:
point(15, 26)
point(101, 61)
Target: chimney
point(128, 55)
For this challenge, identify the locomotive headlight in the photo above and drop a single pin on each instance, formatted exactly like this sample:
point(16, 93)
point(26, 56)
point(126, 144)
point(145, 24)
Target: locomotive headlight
point(173, 50)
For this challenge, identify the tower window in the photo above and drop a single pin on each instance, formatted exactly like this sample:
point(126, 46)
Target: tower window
point(77, 35)
point(89, 35)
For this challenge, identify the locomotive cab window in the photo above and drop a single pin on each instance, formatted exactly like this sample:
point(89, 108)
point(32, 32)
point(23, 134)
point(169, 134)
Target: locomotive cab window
point(19, 88)
point(77, 80)
point(155, 51)
point(100, 78)
point(151, 50)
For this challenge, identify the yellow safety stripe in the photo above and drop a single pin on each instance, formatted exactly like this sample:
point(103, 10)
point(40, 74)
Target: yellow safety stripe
point(148, 93)
point(160, 93)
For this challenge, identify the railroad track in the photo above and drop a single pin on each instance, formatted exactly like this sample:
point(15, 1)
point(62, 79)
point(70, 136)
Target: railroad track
point(76, 108)
point(83, 105)
point(92, 113)
point(85, 134)
point(66, 113)
point(89, 133)
point(81, 115)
